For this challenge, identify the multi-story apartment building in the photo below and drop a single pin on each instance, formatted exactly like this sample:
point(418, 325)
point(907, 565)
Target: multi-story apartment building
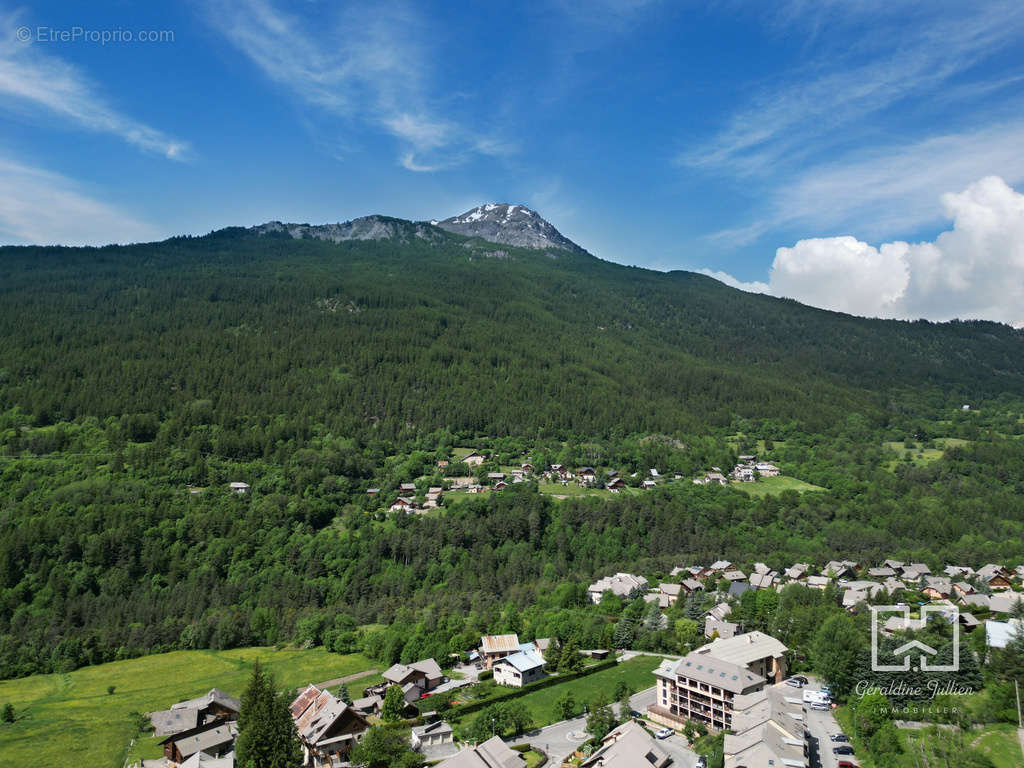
point(704, 684)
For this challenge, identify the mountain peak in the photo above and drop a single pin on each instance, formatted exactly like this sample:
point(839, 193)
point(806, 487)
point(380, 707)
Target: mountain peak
point(508, 224)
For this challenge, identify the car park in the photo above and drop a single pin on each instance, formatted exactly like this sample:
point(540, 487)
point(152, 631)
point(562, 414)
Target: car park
point(664, 733)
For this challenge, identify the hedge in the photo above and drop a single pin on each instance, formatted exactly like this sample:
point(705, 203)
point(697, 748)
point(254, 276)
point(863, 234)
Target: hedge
point(456, 712)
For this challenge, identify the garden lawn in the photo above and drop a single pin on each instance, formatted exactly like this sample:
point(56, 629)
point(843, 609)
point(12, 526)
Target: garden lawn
point(636, 672)
point(71, 719)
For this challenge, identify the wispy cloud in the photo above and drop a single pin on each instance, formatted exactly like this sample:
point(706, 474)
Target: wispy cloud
point(849, 81)
point(45, 208)
point(886, 192)
point(34, 80)
point(370, 66)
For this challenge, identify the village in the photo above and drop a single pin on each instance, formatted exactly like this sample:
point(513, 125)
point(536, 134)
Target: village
point(737, 681)
point(558, 480)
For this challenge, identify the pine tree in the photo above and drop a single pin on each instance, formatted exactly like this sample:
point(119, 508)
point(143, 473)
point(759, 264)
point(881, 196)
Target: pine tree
point(343, 693)
point(266, 734)
point(623, 637)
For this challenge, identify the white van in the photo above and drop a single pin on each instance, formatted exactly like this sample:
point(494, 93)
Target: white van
point(816, 697)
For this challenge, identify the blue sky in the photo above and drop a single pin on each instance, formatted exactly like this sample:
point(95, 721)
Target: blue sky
point(667, 135)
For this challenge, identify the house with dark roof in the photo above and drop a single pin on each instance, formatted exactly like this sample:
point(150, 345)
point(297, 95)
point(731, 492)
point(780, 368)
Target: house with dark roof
point(215, 739)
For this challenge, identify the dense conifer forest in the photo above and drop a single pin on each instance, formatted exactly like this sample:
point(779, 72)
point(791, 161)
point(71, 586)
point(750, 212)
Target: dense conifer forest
point(132, 376)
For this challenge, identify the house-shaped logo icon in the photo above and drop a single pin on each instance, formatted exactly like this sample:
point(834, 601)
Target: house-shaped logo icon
point(925, 653)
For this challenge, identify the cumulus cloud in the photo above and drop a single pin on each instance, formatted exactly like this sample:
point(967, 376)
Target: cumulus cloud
point(973, 271)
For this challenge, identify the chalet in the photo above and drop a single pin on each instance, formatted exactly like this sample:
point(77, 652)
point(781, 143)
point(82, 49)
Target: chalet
point(840, 569)
point(403, 504)
point(767, 470)
point(720, 611)
point(215, 739)
point(473, 459)
point(734, 575)
point(761, 568)
point(893, 585)
point(915, 572)
point(798, 572)
point(670, 593)
point(715, 628)
point(434, 494)
point(519, 669)
point(968, 621)
point(495, 475)
point(624, 585)
point(937, 587)
point(994, 576)
point(1004, 602)
point(493, 753)
point(628, 745)
point(743, 474)
point(894, 564)
point(654, 473)
point(407, 487)
point(327, 727)
point(689, 586)
point(431, 735)
point(586, 476)
point(693, 571)
point(746, 459)
point(715, 477)
point(238, 487)
point(963, 588)
point(764, 580)
point(883, 572)
point(976, 600)
point(817, 582)
point(369, 705)
point(372, 491)
point(494, 647)
point(957, 571)
point(615, 484)
point(500, 485)
point(720, 566)
point(215, 706)
point(648, 485)
point(425, 675)
point(527, 468)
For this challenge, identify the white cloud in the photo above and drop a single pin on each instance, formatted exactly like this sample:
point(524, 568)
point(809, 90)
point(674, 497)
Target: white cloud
point(33, 80)
point(883, 192)
point(44, 208)
point(973, 271)
point(371, 66)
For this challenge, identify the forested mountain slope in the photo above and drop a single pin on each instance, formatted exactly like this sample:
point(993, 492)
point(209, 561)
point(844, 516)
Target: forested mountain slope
point(393, 336)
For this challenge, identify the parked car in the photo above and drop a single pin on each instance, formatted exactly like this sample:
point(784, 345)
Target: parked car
point(847, 764)
point(839, 737)
point(821, 706)
point(801, 678)
point(635, 714)
point(843, 749)
point(664, 733)
point(794, 682)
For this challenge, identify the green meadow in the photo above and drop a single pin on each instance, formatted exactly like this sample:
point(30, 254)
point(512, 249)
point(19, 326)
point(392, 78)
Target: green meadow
point(72, 719)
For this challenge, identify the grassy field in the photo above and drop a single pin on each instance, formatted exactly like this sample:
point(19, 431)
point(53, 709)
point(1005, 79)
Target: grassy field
point(920, 455)
point(572, 489)
point(65, 715)
point(767, 485)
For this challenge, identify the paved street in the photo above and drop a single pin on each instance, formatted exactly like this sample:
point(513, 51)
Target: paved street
point(561, 739)
point(821, 726)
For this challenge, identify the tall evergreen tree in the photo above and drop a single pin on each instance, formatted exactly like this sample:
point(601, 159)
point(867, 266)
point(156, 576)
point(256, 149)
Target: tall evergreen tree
point(266, 734)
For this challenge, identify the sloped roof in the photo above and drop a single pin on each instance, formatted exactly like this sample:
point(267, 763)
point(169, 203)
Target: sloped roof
point(628, 746)
point(499, 643)
point(493, 753)
point(524, 661)
point(744, 649)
